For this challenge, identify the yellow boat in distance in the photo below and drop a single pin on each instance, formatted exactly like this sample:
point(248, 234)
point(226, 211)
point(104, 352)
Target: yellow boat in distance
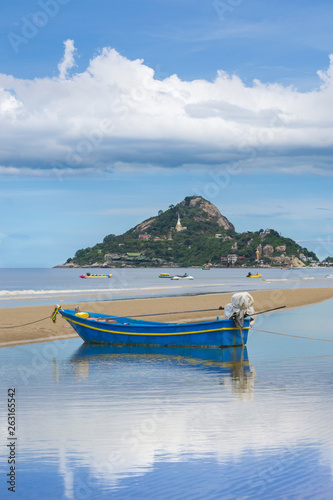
point(250, 275)
point(88, 275)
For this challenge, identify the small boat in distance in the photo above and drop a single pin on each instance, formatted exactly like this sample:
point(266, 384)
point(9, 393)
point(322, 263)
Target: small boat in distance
point(89, 275)
point(205, 267)
point(250, 275)
point(182, 277)
point(165, 275)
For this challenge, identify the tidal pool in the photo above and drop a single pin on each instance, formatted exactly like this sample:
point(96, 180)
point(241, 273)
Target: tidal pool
point(100, 422)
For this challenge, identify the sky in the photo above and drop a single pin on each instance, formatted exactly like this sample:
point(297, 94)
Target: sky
point(112, 111)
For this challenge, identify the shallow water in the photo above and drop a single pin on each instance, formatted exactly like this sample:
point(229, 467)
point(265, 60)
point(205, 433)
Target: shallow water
point(152, 423)
point(49, 286)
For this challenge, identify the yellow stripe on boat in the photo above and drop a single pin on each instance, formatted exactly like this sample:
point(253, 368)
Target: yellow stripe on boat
point(154, 334)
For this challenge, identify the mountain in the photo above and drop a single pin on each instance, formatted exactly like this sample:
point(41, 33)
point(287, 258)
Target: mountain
point(192, 233)
point(196, 214)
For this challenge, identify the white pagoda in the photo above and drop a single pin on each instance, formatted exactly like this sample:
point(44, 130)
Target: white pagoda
point(179, 226)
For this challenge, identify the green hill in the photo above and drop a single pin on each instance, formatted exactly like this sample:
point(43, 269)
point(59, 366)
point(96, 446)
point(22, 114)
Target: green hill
point(192, 233)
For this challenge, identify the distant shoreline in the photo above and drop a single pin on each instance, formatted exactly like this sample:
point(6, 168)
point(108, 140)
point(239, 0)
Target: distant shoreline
point(214, 266)
point(28, 324)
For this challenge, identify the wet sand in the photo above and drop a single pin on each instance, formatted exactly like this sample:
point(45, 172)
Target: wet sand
point(21, 325)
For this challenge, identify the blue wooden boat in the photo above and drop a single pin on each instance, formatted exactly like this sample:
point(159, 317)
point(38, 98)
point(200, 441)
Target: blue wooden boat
point(107, 329)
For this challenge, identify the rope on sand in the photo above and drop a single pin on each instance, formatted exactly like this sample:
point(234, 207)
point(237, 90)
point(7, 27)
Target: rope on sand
point(24, 324)
point(53, 317)
point(296, 336)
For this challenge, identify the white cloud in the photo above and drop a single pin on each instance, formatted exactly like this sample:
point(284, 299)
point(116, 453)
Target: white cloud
point(68, 61)
point(9, 105)
point(116, 112)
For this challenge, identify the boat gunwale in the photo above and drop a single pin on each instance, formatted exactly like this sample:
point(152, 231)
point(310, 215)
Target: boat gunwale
point(84, 323)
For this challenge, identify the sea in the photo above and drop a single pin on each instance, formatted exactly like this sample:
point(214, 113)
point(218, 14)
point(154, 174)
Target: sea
point(79, 421)
point(62, 285)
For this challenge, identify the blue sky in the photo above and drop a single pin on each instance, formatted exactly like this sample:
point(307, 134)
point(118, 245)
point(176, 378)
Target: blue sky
point(109, 113)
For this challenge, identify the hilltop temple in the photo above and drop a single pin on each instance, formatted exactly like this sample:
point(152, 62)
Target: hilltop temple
point(179, 226)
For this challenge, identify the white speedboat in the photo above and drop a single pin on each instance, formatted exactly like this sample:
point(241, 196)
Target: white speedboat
point(182, 277)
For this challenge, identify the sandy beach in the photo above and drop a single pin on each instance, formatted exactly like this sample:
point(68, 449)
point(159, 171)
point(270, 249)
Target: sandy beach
point(20, 325)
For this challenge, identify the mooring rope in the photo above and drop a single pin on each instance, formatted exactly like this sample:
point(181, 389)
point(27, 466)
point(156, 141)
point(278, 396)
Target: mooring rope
point(24, 324)
point(256, 329)
point(296, 336)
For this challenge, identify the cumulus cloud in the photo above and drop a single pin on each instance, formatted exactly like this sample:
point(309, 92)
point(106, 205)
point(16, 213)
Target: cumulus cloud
point(117, 113)
point(68, 61)
point(9, 105)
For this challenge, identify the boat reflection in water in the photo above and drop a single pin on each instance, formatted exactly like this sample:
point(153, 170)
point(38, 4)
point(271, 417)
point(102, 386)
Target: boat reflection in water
point(230, 363)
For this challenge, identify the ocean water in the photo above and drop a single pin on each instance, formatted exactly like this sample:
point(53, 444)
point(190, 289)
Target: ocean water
point(101, 422)
point(49, 286)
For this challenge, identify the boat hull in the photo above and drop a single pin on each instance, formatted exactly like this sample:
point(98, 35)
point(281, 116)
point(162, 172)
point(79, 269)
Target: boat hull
point(95, 329)
point(182, 278)
point(95, 276)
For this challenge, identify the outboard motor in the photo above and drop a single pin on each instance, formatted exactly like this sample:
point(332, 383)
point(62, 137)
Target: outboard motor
point(241, 305)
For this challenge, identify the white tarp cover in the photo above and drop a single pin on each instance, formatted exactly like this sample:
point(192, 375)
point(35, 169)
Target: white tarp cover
point(241, 305)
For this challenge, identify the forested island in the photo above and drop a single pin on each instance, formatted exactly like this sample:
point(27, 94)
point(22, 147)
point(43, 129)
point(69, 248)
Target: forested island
point(192, 233)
